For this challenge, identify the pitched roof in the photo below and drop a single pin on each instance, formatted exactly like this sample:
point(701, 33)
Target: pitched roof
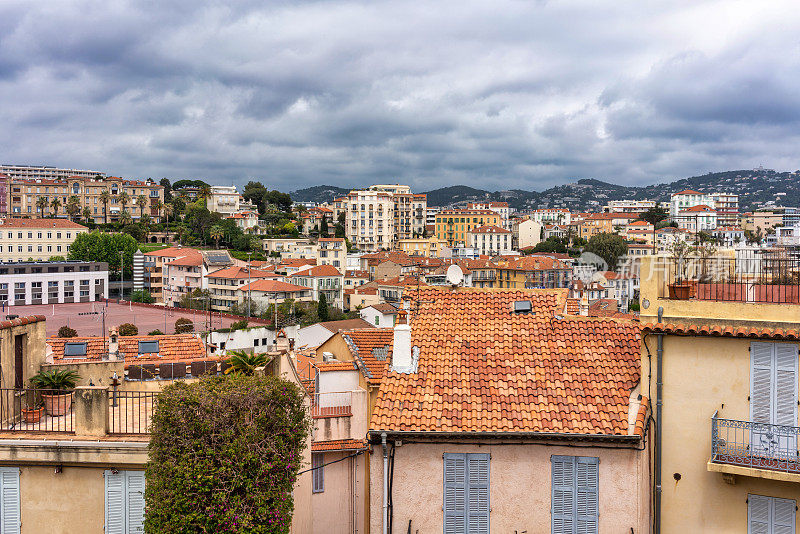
point(21, 321)
point(384, 307)
point(41, 223)
point(719, 330)
point(272, 286)
point(190, 257)
point(483, 368)
point(319, 270)
point(489, 229)
point(372, 349)
point(338, 445)
point(171, 252)
point(346, 324)
point(687, 192)
point(531, 263)
point(698, 208)
point(171, 347)
point(239, 272)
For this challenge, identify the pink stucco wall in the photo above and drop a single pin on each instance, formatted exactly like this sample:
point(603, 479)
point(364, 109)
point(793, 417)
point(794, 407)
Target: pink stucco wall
point(520, 489)
point(341, 507)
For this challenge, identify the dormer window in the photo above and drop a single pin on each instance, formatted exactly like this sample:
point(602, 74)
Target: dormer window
point(148, 347)
point(523, 306)
point(75, 350)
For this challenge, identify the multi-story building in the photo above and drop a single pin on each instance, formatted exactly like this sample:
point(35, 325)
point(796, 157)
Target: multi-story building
point(499, 207)
point(597, 223)
point(431, 247)
point(727, 206)
point(430, 215)
point(332, 251)
point(246, 220)
point(725, 381)
point(141, 197)
point(688, 198)
point(700, 218)
point(532, 272)
point(224, 199)
point(52, 282)
point(282, 245)
point(454, 225)
point(322, 280)
point(728, 236)
point(629, 206)
point(37, 239)
point(526, 233)
point(173, 272)
point(223, 285)
point(552, 216)
point(490, 240)
point(419, 214)
point(33, 171)
point(369, 223)
point(264, 292)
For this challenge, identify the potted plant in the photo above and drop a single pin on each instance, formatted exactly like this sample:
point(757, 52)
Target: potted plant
point(680, 289)
point(58, 385)
point(33, 410)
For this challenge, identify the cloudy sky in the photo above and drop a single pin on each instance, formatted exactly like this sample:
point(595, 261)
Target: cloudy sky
point(494, 94)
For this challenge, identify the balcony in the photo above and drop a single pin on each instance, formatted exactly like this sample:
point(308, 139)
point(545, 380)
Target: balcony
point(335, 404)
point(754, 449)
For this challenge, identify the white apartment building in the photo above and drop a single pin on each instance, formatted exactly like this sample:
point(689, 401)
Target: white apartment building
point(527, 233)
point(552, 216)
point(224, 199)
point(369, 223)
point(727, 206)
point(430, 215)
point(695, 219)
point(419, 214)
point(56, 282)
point(688, 198)
point(332, 251)
point(629, 206)
point(34, 171)
point(490, 240)
point(501, 208)
point(37, 239)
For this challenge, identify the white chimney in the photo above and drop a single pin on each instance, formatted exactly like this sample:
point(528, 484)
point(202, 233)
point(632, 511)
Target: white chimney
point(403, 360)
point(113, 343)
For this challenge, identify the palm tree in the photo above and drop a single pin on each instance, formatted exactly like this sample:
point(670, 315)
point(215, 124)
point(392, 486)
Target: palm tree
point(216, 234)
point(55, 204)
point(159, 206)
point(141, 201)
point(205, 191)
point(123, 199)
point(245, 363)
point(125, 219)
point(87, 213)
point(41, 205)
point(145, 221)
point(73, 206)
point(105, 197)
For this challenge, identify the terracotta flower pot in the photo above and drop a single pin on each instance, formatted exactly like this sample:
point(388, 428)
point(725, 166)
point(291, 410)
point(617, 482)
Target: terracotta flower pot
point(57, 405)
point(679, 291)
point(32, 415)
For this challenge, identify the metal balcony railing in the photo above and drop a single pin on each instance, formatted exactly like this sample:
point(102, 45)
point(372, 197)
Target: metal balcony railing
point(755, 445)
point(335, 404)
point(129, 412)
point(36, 410)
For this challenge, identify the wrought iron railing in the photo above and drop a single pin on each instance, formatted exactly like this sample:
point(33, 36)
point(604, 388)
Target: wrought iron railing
point(36, 410)
point(756, 445)
point(129, 412)
point(335, 404)
point(756, 278)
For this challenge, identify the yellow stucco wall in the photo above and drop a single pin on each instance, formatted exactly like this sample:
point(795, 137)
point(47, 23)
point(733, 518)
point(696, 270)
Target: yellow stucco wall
point(703, 375)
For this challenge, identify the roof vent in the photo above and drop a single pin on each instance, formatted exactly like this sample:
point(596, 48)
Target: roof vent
point(327, 357)
point(523, 306)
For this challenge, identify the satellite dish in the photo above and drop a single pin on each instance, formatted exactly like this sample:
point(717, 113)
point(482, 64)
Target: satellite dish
point(455, 275)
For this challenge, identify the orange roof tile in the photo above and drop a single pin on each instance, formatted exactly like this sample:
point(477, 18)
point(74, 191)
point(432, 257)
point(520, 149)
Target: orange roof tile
point(338, 445)
point(319, 270)
point(41, 223)
point(171, 347)
point(489, 229)
point(722, 331)
point(272, 286)
point(483, 368)
point(372, 349)
point(239, 272)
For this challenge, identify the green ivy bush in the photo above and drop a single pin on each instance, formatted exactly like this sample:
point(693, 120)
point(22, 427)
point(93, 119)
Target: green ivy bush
point(219, 461)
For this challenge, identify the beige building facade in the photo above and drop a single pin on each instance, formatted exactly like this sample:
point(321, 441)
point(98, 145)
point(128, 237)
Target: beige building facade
point(37, 239)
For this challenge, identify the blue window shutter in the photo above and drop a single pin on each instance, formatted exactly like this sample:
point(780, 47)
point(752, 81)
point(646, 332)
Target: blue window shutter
point(586, 500)
point(785, 384)
point(563, 495)
point(455, 493)
point(759, 515)
point(9, 487)
point(761, 382)
point(783, 515)
point(478, 493)
point(134, 517)
point(115, 502)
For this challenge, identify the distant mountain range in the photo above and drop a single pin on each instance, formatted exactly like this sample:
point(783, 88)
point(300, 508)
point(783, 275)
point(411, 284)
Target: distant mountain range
point(756, 188)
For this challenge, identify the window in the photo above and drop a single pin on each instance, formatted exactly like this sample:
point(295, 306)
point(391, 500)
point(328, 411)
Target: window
point(255, 342)
point(318, 473)
point(148, 347)
point(19, 285)
point(124, 501)
point(466, 493)
point(574, 506)
point(75, 349)
point(773, 394)
point(9, 508)
point(770, 515)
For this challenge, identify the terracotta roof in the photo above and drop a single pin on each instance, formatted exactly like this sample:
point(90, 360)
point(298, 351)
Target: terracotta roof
point(719, 330)
point(607, 216)
point(336, 366)
point(300, 262)
point(239, 272)
point(401, 281)
point(490, 229)
point(372, 348)
point(41, 223)
point(21, 321)
point(384, 307)
point(641, 418)
point(338, 445)
point(356, 274)
point(171, 347)
point(346, 324)
point(319, 270)
point(483, 368)
point(272, 286)
point(698, 208)
point(640, 223)
point(531, 263)
point(687, 192)
point(189, 258)
point(573, 307)
point(171, 252)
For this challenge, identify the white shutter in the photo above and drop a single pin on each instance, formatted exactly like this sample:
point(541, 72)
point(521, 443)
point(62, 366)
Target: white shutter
point(478, 493)
point(9, 487)
point(455, 493)
point(563, 495)
point(758, 514)
point(785, 384)
point(586, 504)
point(115, 502)
point(783, 516)
point(761, 382)
point(135, 503)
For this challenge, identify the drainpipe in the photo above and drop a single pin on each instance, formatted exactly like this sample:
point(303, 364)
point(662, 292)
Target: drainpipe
point(385, 483)
point(659, 403)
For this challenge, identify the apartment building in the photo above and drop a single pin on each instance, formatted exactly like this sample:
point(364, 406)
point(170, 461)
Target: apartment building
point(224, 199)
point(34, 171)
point(453, 226)
point(688, 198)
point(490, 240)
point(380, 215)
point(141, 197)
point(597, 223)
point(526, 233)
point(173, 272)
point(431, 247)
point(55, 282)
point(629, 206)
point(37, 239)
point(312, 219)
point(246, 220)
point(322, 280)
point(223, 285)
point(727, 207)
point(501, 208)
point(419, 215)
point(284, 246)
point(700, 218)
point(552, 216)
point(332, 251)
point(532, 272)
point(725, 378)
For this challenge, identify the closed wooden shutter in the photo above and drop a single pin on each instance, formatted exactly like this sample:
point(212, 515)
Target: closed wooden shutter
point(9, 488)
point(562, 507)
point(761, 382)
point(586, 504)
point(770, 515)
point(135, 502)
point(783, 516)
point(455, 493)
point(115, 502)
point(478, 493)
point(785, 384)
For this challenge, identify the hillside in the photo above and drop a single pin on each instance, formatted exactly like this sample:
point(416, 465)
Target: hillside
point(756, 188)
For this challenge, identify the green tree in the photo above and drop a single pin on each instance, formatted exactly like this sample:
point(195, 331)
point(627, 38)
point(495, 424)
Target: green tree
point(105, 197)
point(41, 205)
point(73, 207)
point(323, 227)
point(128, 329)
point(55, 204)
point(87, 214)
point(246, 363)
point(551, 245)
point(322, 308)
point(219, 462)
point(141, 202)
point(123, 199)
point(167, 189)
point(654, 215)
point(141, 295)
point(184, 326)
point(216, 233)
point(610, 247)
point(103, 246)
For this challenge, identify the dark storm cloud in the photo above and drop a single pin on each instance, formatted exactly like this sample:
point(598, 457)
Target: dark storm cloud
point(497, 94)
